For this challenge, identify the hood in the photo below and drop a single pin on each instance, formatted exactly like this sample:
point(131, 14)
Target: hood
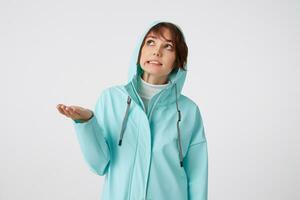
point(176, 77)
point(168, 95)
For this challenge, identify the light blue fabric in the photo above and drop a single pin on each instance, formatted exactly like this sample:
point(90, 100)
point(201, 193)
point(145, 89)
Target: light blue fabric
point(146, 90)
point(147, 163)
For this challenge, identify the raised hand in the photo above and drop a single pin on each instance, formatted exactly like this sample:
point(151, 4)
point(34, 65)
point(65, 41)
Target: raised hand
point(75, 112)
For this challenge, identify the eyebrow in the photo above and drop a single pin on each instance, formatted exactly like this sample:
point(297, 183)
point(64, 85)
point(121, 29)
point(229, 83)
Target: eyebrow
point(152, 36)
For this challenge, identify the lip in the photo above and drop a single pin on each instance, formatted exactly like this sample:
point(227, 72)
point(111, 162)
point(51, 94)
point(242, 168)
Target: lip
point(148, 61)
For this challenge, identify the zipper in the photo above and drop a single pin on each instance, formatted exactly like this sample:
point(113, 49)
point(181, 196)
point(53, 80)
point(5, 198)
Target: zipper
point(154, 104)
point(141, 101)
point(133, 167)
point(139, 98)
point(149, 115)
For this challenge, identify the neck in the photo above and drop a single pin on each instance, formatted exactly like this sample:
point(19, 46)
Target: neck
point(155, 80)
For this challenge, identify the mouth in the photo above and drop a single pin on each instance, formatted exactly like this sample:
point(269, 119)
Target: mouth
point(154, 62)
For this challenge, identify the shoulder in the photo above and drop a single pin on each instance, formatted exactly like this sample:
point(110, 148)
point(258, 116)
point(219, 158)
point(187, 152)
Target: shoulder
point(189, 106)
point(111, 95)
point(114, 90)
point(188, 102)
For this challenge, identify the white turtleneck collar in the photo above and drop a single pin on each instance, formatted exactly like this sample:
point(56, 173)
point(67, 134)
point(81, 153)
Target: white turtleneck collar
point(147, 90)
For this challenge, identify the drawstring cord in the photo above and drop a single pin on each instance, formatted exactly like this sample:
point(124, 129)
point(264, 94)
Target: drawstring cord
point(124, 120)
point(178, 129)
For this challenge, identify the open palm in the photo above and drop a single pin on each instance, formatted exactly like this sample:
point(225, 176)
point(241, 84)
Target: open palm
point(75, 112)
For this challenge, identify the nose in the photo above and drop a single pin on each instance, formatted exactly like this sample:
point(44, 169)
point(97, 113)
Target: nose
point(157, 51)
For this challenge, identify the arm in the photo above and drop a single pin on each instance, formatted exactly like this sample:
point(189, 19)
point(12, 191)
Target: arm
point(196, 162)
point(92, 142)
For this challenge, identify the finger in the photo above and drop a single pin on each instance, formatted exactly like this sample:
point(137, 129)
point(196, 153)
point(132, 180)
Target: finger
point(73, 113)
point(60, 108)
point(65, 111)
point(79, 109)
point(75, 110)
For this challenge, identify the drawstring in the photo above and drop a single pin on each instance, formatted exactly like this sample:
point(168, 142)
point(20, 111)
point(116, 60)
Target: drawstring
point(124, 120)
point(178, 129)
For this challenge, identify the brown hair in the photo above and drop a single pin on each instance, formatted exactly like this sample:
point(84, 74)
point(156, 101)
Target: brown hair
point(181, 49)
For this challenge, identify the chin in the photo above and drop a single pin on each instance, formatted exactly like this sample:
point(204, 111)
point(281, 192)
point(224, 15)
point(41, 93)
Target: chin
point(152, 71)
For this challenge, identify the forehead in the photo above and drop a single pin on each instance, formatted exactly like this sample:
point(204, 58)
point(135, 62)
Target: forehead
point(162, 34)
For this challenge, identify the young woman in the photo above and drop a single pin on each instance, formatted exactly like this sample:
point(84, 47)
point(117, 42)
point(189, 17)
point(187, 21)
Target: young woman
point(145, 136)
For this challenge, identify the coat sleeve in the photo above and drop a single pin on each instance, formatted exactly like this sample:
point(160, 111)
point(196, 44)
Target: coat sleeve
point(92, 142)
point(196, 162)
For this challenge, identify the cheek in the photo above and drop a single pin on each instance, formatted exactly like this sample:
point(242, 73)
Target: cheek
point(142, 57)
point(171, 59)
point(143, 54)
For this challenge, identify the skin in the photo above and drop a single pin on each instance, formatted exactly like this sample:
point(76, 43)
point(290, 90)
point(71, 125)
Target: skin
point(155, 48)
point(75, 112)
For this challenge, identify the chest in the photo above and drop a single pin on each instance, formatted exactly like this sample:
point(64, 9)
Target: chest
point(160, 130)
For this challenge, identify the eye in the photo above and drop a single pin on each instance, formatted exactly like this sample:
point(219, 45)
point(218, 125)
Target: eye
point(169, 46)
point(149, 42)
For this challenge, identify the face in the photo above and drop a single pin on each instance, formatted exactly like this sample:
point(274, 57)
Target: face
point(158, 54)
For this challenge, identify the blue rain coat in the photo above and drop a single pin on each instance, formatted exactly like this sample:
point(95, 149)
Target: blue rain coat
point(160, 154)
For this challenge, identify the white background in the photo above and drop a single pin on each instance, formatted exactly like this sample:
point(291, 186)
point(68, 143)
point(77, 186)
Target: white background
point(243, 73)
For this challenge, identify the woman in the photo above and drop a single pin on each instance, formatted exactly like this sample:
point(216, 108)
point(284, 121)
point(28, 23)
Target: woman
point(145, 136)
